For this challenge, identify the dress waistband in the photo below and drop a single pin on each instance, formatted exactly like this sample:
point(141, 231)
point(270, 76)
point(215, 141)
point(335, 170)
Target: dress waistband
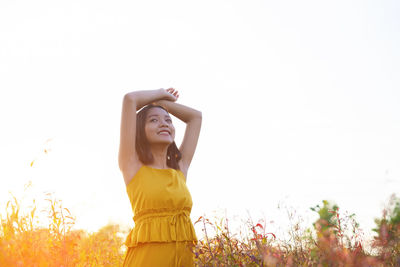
point(146, 214)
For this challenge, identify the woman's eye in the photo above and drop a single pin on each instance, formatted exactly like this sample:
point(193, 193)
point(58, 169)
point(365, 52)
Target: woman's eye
point(152, 120)
point(169, 120)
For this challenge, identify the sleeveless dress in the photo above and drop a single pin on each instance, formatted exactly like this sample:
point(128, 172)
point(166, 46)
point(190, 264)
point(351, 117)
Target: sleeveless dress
point(163, 234)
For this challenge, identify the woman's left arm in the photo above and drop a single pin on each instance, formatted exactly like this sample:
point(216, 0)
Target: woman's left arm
point(192, 118)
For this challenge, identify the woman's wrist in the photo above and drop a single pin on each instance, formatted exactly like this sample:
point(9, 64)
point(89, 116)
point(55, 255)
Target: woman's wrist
point(161, 93)
point(143, 97)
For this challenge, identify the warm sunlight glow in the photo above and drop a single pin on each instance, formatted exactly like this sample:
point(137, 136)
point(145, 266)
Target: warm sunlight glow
point(299, 101)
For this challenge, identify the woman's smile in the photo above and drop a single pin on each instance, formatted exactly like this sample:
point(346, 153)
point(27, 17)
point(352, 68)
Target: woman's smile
point(164, 132)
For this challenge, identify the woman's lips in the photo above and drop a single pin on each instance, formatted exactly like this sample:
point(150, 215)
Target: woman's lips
point(163, 133)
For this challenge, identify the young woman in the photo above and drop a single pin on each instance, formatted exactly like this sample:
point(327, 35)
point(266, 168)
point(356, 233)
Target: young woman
point(155, 173)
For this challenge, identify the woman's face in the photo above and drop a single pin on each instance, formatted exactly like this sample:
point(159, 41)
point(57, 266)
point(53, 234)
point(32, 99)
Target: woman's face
point(158, 127)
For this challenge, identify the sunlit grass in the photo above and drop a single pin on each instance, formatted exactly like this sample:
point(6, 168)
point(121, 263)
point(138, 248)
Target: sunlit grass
point(24, 241)
point(332, 240)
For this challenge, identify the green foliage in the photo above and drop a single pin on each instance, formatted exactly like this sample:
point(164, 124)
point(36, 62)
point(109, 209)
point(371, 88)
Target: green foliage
point(390, 218)
point(327, 217)
point(388, 229)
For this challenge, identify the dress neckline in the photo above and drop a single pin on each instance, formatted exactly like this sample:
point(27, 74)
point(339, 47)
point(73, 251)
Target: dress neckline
point(161, 169)
point(158, 168)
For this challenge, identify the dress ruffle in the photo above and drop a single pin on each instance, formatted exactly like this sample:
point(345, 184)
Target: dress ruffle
point(161, 226)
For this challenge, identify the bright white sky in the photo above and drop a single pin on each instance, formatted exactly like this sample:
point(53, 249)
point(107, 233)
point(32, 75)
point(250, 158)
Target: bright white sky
point(300, 101)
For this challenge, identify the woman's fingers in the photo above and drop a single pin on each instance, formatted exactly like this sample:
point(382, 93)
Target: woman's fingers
point(173, 92)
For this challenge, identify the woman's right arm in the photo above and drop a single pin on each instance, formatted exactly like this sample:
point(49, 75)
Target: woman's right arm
point(133, 101)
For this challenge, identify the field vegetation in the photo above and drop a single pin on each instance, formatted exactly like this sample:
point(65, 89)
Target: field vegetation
point(332, 240)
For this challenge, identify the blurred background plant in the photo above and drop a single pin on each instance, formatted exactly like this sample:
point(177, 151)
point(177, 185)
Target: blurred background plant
point(334, 240)
point(387, 228)
point(26, 239)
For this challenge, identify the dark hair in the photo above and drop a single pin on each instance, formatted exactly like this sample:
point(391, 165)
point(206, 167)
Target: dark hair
point(143, 146)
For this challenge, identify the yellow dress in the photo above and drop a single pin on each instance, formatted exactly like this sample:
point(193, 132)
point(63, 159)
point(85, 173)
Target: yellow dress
point(163, 234)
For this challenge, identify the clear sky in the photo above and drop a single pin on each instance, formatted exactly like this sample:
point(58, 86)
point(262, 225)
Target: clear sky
point(300, 101)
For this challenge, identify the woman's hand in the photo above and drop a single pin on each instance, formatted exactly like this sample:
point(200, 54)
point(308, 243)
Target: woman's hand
point(173, 92)
point(170, 94)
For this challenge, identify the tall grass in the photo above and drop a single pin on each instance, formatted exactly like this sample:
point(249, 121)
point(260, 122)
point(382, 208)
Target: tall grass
point(334, 239)
point(24, 241)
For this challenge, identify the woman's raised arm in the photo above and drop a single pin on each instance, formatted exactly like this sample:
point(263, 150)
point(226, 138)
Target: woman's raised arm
point(193, 119)
point(133, 101)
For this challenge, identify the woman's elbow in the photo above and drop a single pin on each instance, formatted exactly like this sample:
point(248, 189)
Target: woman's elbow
point(129, 97)
point(199, 114)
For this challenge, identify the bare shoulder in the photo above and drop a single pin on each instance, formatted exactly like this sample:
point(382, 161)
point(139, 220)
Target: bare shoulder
point(131, 171)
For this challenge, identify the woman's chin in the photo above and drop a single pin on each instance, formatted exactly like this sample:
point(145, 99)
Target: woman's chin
point(163, 142)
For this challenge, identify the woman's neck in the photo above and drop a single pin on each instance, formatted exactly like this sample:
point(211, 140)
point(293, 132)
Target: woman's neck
point(159, 156)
